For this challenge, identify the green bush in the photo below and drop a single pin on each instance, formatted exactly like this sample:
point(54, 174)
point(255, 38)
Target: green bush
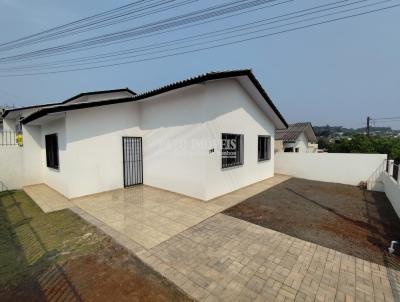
point(364, 144)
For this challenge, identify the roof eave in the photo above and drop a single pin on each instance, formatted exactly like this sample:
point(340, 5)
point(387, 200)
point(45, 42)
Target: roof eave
point(7, 111)
point(266, 97)
point(167, 88)
point(98, 92)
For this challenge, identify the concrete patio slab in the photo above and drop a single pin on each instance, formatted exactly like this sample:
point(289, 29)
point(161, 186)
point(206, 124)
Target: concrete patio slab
point(150, 216)
point(46, 198)
point(228, 259)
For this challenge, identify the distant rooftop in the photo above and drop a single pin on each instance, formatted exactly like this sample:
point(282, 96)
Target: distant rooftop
point(293, 132)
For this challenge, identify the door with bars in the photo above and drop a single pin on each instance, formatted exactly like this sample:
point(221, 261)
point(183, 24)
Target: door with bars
point(132, 161)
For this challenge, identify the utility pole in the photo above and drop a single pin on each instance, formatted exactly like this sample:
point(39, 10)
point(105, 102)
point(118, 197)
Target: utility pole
point(368, 125)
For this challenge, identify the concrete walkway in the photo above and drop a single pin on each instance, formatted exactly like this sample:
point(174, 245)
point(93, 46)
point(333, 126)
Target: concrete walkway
point(46, 198)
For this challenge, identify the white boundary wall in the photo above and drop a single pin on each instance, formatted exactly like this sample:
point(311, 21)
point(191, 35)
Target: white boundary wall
point(10, 167)
point(344, 168)
point(392, 191)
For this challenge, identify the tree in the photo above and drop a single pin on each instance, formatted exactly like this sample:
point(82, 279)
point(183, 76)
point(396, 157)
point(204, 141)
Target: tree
point(363, 144)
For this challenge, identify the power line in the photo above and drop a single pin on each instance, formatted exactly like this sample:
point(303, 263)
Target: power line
point(94, 19)
point(164, 31)
point(93, 26)
point(216, 9)
point(387, 118)
point(216, 33)
point(158, 46)
point(163, 44)
point(214, 46)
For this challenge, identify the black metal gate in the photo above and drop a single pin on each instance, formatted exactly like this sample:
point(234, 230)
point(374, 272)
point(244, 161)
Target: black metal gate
point(132, 161)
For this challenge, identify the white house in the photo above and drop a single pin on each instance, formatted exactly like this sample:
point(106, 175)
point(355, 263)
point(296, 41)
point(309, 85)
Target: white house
point(298, 137)
point(201, 137)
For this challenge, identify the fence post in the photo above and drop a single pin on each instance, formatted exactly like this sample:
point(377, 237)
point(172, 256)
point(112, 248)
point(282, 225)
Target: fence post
point(398, 177)
point(397, 163)
point(390, 169)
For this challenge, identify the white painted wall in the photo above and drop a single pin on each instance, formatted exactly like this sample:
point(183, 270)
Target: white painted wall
point(178, 129)
point(229, 109)
point(94, 144)
point(302, 143)
point(312, 147)
point(10, 121)
point(9, 124)
point(10, 167)
point(173, 126)
point(392, 191)
point(177, 144)
point(58, 179)
point(344, 168)
point(32, 155)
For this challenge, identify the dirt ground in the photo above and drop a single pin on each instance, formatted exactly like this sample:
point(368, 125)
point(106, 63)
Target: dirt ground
point(345, 218)
point(112, 274)
point(59, 257)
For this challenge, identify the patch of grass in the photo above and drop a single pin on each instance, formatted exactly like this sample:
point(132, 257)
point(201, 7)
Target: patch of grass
point(31, 240)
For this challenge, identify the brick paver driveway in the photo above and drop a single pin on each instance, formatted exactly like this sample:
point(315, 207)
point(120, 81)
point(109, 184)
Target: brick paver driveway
point(228, 259)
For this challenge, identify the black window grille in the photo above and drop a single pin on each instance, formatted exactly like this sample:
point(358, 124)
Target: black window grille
point(232, 150)
point(52, 151)
point(264, 147)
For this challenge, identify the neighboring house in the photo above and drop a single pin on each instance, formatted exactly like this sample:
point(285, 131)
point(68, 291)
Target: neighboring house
point(12, 117)
point(201, 137)
point(298, 137)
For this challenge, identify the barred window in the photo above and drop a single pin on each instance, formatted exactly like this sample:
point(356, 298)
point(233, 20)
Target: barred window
point(232, 150)
point(264, 147)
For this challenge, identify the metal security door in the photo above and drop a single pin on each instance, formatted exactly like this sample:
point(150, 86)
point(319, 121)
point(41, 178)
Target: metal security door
point(132, 161)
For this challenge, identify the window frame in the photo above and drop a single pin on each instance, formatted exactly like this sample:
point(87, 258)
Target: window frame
point(52, 151)
point(267, 148)
point(225, 162)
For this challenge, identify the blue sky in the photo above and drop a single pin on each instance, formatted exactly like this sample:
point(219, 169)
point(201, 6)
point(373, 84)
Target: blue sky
point(337, 73)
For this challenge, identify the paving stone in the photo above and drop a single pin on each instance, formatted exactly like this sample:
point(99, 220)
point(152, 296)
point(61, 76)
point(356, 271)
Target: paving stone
point(223, 258)
point(255, 284)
